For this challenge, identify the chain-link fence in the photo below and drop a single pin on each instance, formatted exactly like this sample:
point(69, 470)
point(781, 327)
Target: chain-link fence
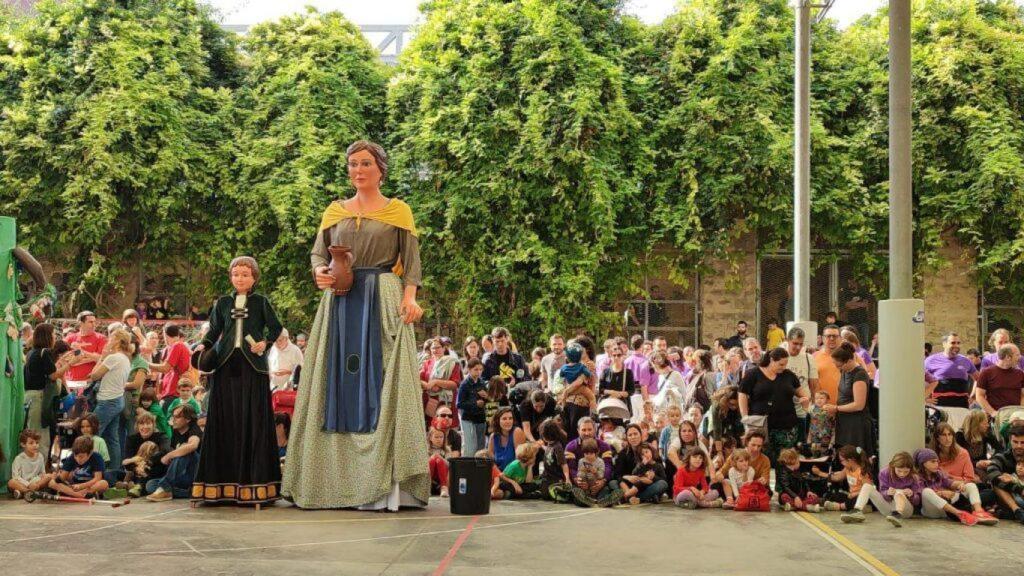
point(835, 287)
point(1000, 309)
point(671, 311)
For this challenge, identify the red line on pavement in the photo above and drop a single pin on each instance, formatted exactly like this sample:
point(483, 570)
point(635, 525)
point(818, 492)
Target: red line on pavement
point(443, 566)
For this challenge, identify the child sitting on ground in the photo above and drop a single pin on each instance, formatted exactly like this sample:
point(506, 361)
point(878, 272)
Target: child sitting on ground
point(28, 471)
point(941, 496)
point(496, 493)
point(88, 425)
point(740, 473)
point(438, 452)
point(555, 471)
point(690, 488)
point(793, 486)
point(184, 395)
point(590, 469)
point(674, 415)
point(81, 474)
point(821, 426)
point(856, 471)
point(646, 473)
point(517, 478)
point(148, 403)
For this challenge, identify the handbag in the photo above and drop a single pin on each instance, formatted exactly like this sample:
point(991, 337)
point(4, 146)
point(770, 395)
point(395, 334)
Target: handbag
point(753, 497)
point(753, 422)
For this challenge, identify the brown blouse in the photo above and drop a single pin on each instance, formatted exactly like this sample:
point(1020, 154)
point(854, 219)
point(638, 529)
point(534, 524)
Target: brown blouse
point(374, 245)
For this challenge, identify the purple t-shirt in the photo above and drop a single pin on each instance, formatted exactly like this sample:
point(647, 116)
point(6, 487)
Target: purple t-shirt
point(642, 373)
point(992, 359)
point(942, 367)
point(865, 356)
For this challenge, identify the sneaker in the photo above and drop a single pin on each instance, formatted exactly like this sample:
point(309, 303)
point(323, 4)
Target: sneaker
point(729, 504)
point(852, 517)
point(1018, 515)
point(444, 491)
point(831, 506)
point(716, 503)
point(135, 491)
point(815, 508)
point(966, 518)
point(985, 519)
point(633, 500)
point(895, 520)
point(787, 507)
point(16, 494)
point(160, 496)
point(688, 504)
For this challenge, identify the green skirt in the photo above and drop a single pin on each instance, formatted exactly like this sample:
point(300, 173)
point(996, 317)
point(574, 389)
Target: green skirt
point(345, 470)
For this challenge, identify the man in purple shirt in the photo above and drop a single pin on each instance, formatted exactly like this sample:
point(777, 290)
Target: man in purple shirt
point(638, 364)
point(954, 372)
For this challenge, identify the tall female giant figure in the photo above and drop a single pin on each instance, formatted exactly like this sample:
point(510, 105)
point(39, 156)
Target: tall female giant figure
point(357, 434)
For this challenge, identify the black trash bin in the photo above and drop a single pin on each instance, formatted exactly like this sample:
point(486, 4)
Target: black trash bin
point(469, 485)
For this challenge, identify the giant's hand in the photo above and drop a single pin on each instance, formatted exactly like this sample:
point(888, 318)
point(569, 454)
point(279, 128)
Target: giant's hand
point(323, 277)
point(410, 310)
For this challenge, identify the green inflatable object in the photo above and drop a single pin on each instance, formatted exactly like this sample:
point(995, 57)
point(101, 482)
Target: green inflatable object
point(12, 378)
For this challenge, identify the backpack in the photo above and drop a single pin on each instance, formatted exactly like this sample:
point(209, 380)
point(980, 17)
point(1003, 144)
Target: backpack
point(753, 498)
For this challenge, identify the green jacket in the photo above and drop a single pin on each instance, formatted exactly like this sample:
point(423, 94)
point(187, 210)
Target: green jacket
point(259, 321)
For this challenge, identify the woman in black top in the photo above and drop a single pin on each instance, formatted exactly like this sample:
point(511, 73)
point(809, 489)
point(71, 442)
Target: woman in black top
point(42, 369)
point(617, 381)
point(627, 458)
point(769, 391)
point(853, 418)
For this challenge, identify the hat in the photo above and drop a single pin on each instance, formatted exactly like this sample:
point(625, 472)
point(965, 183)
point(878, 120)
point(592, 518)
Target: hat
point(922, 455)
point(573, 353)
point(204, 360)
point(1018, 415)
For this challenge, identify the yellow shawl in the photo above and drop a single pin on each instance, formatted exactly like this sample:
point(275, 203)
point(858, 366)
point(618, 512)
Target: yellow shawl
point(395, 213)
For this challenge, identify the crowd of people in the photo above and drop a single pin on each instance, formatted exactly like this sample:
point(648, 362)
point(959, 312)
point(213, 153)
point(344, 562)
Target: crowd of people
point(122, 411)
point(733, 425)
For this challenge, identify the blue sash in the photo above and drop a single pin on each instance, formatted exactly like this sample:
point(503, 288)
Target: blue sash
point(355, 368)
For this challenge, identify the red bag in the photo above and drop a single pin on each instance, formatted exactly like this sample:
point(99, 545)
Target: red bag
point(283, 401)
point(753, 497)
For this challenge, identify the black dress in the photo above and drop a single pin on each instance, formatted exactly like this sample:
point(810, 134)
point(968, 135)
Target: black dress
point(238, 462)
point(854, 428)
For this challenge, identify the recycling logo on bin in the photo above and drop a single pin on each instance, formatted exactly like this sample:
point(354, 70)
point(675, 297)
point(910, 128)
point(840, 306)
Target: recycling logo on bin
point(462, 485)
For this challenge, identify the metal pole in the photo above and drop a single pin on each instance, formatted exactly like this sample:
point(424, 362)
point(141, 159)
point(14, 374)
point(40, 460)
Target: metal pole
point(802, 166)
point(901, 318)
point(900, 207)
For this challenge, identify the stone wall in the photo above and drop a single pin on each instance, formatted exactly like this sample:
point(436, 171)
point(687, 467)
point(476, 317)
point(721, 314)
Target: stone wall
point(729, 292)
point(950, 296)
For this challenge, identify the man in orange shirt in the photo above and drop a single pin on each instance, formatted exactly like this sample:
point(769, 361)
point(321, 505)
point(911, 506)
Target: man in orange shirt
point(828, 374)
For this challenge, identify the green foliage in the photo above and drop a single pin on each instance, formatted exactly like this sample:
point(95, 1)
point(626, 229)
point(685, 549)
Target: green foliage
point(111, 144)
point(314, 85)
point(969, 132)
point(517, 147)
point(553, 150)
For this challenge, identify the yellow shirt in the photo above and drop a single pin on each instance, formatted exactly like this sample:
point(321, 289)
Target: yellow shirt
point(775, 337)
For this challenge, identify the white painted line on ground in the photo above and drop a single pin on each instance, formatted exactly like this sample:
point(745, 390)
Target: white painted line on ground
point(357, 540)
point(96, 529)
point(191, 547)
point(376, 518)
